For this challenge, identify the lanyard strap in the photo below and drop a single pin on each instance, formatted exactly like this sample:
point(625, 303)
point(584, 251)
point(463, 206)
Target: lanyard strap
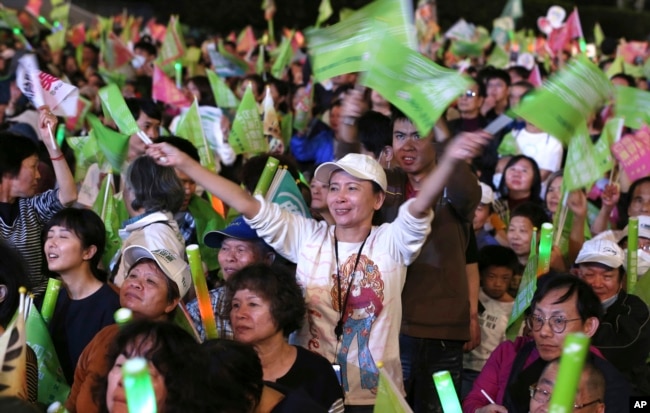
point(338, 330)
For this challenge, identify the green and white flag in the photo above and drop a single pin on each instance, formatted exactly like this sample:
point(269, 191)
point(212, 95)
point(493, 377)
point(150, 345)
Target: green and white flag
point(60, 14)
point(191, 129)
point(603, 148)
point(499, 58)
point(416, 85)
point(222, 94)
point(633, 105)
point(582, 166)
point(113, 103)
point(284, 192)
point(501, 26)
point(112, 144)
point(526, 291)
point(343, 47)
point(284, 56)
point(106, 207)
point(86, 152)
point(567, 99)
point(324, 12)
point(247, 135)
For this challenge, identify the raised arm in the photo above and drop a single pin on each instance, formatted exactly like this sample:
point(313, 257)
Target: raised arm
point(67, 187)
point(464, 146)
point(228, 191)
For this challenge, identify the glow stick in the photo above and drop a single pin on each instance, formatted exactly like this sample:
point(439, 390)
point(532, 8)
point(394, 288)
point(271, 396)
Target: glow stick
point(267, 176)
point(632, 251)
point(545, 245)
point(123, 316)
point(60, 134)
point(574, 353)
point(140, 396)
point(487, 396)
point(52, 140)
point(178, 71)
point(446, 392)
point(49, 301)
point(201, 288)
point(564, 211)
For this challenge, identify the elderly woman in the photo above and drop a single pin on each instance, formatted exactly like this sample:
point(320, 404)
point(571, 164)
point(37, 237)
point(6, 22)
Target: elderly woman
point(266, 305)
point(327, 256)
point(152, 195)
point(173, 357)
point(154, 284)
point(23, 213)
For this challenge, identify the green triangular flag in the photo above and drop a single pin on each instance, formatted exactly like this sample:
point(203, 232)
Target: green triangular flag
point(513, 8)
point(526, 291)
point(114, 104)
point(632, 104)
point(114, 145)
point(508, 146)
point(86, 153)
point(599, 36)
point(616, 67)
point(246, 135)
point(499, 58)
point(173, 46)
point(60, 14)
point(582, 167)
point(56, 40)
point(324, 12)
point(389, 397)
point(284, 192)
point(602, 149)
point(106, 207)
point(285, 53)
point(191, 129)
point(286, 127)
point(222, 93)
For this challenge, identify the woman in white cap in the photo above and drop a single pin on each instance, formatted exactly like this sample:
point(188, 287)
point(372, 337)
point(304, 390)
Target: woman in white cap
point(359, 305)
point(154, 283)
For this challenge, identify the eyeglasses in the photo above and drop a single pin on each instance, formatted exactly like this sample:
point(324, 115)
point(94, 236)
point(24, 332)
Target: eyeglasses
point(470, 94)
point(556, 322)
point(543, 396)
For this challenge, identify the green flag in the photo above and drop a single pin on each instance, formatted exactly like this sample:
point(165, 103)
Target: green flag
point(60, 14)
point(285, 54)
point(324, 12)
point(56, 40)
point(633, 105)
point(286, 128)
point(603, 148)
point(114, 145)
point(222, 93)
point(260, 63)
point(113, 102)
point(246, 135)
point(86, 152)
point(284, 192)
point(343, 47)
point(582, 167)
point(567, 99)
point(526, 291)
point(514, 9)
point(499, 58)
point(416, 85)
point(508, 146)
point(599, 36)
point(389, 397)
point(240, 63)
point(106, 207)
point(191, 129)
point(616, 67)
point(52, 386)
point(501, 26)
point(173, 46)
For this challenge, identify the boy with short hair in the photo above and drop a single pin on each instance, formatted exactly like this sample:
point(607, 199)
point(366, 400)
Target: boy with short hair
point(497, 265)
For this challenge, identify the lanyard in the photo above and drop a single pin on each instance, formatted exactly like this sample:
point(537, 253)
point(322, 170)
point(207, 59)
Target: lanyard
point(338, 330)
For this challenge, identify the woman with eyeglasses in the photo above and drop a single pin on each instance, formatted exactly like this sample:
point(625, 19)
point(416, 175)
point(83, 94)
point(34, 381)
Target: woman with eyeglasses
point(589, 397)
point(562, 304)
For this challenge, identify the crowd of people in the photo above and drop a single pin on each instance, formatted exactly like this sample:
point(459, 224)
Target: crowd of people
point(409, 263)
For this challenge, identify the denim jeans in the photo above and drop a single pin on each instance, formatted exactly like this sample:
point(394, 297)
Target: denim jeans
point(421, 357)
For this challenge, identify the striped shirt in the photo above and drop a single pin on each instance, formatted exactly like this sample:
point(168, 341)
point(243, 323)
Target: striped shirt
point(24, 233)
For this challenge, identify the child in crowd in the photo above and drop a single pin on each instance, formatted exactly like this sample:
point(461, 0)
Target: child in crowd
point(482, 215)
point(497, 266)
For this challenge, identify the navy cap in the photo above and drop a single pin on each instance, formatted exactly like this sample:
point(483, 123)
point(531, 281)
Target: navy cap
point(237, 229)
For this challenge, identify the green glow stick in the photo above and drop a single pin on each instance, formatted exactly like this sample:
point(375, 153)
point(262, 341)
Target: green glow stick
point(267, 176)
point(574, 353)
point(123, 316)
point(178, 71)
point(49, 301)
point(545, 245)
point(201, 288)
point(447, 392)
point(60, 134)
point(632, 251)
point(140, 396)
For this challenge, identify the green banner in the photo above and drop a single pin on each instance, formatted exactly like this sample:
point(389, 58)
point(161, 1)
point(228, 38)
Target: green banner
point(113, 102)
point(416, 85)
point(603, 148)
point(567, 99)
point(247, 135)
point(343, 47)
point(583, 168)
point(633, 105)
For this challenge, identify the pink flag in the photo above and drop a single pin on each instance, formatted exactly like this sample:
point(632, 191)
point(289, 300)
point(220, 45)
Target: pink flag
point(535, 78)
point(165, 90)
point(633, 153)
point(157, 31)
point(78, 34)
point(33, 7)
point(115, 54)
point(574, 28)
point(631, 50)
point(246, 40)
point(558, 39)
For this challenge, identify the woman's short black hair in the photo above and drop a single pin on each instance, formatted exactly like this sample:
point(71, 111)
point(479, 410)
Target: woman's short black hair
point(155, 187)
point(90, 230)
point(14, 149)
point(275, 285)
point(536, 186)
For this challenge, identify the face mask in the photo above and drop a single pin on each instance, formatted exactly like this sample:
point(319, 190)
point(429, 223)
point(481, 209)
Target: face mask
point(496, 179)
point(642, 264)
point(138, 61)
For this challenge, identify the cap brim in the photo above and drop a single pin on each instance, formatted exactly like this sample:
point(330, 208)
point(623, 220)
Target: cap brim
point(135, 253)
point(214, 239)
point(325, 170)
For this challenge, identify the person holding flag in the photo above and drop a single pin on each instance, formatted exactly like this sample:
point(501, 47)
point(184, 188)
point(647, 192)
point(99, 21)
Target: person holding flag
point(23, 213)
point(323, 252)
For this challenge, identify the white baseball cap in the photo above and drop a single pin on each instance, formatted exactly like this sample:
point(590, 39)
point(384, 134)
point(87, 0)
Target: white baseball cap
point(601, 251)
point(174, 267)
point(644, 228)
point(360, 166)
